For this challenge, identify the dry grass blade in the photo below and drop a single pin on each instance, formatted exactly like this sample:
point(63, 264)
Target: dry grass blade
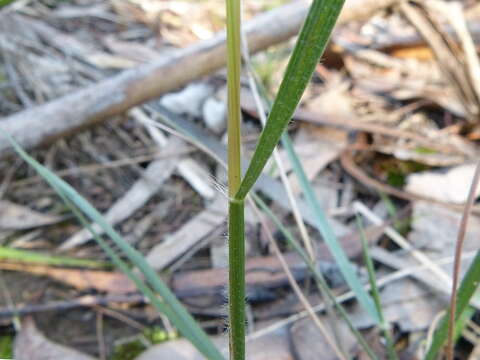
point(448, 55)
point(295, 286)
point(458, 260)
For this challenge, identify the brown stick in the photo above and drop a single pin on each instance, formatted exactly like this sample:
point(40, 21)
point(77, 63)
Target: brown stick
point(113, 96)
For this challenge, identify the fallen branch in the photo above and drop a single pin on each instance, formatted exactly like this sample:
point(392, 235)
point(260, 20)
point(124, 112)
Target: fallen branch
point(113, 96)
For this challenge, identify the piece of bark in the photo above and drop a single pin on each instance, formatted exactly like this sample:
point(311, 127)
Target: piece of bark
point(189, 234)
point(132, 87)
point(64, 305)
point(113, 96)
point(80, 279)
point(264, 272)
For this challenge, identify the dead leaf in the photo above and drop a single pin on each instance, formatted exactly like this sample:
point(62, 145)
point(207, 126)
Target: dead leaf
point(309, 343)
point(406, 303)
point(435, 229)
point(102, 281)
point(451, 186)
point(271, 346)
point(411, 306)
point(17, 217)
point(31, 344)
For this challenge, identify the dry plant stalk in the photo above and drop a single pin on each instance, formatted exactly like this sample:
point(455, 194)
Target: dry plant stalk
point(458, 260)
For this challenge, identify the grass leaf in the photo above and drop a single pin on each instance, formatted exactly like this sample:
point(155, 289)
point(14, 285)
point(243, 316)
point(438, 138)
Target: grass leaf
point(467, 289)
point(316, 273)
point(7, 253)
point(384, 325)
point(328, 235)
point(309, 47)
point(170, 305)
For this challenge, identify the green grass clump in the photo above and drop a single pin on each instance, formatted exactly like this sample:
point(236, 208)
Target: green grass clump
point(6, 347)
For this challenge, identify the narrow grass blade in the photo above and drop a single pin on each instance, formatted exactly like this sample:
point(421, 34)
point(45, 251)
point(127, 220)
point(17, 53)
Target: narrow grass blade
point(12, 254)
point(316, 273)
point(310, 45)
point(170, 305)
point(322, 223)
point(329, 237)
point(384, 325)
point(467, 289)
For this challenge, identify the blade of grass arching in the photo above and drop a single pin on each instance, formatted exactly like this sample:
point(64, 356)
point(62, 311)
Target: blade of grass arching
point(182, 319)
point(19, 255)
point(328, 235)
point(469, 285)
point(236, 208)
point(322, 284)
point(384, 325)
point(458, 258)
point(261, 101)
point(260, 97)
point(190, 137)
point(309, 47)
point(185, 328)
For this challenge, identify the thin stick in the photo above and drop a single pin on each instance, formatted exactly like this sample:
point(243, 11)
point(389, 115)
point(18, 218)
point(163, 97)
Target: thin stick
point(307, 241)
point(295, 286)
point(387, 279)
point(402, 242)
point(458, 260)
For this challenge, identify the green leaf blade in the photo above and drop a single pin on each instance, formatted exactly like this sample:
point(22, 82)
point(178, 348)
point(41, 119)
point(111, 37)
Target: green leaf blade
point(169, 303)
point(309, 48)
point(328, 235)
point(467, 289)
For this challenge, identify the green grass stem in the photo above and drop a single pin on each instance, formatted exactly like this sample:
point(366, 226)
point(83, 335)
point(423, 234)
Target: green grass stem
point(236, 225)
point(236, 280)
point(384, 325)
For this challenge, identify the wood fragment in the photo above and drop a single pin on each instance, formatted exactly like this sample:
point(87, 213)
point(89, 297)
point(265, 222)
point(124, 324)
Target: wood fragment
point(115, 95)
point(81, 279)
point(189, 234)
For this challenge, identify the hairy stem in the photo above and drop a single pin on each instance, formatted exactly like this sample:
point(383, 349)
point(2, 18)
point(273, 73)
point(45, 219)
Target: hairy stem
point(236, 245)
